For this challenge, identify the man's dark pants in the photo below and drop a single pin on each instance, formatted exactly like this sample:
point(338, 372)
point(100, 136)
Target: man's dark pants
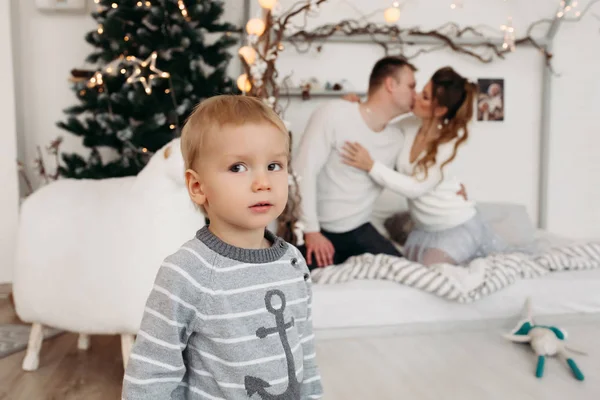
point(364, 239)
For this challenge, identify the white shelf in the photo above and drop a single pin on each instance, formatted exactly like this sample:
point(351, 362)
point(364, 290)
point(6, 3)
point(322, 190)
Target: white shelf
point(318, 93)
point(414, 40)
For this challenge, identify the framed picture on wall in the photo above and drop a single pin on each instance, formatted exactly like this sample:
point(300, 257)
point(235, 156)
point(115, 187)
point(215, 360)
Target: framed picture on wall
point(490, 103)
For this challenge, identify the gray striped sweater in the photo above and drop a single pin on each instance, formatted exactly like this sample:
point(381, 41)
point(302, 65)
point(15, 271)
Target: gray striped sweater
point(226, 323)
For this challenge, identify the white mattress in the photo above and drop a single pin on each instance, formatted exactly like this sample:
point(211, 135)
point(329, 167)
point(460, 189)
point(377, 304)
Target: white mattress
point(374, 303)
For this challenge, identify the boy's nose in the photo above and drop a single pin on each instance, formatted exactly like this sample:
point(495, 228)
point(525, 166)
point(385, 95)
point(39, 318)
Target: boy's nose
point(260, 183)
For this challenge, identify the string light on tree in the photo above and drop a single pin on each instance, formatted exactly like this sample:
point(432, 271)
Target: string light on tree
point(155, 72)
point(99, 8)
point(392, 14)
point(183, 10)
point(95, 80)
point(112, 67)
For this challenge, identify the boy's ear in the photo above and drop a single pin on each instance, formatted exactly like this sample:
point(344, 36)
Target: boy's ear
point(195, 187)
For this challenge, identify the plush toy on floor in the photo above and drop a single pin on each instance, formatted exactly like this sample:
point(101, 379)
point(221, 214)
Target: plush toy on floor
point(544, 340)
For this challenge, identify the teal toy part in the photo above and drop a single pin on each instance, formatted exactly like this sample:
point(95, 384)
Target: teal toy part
point(539, 371)
point(576, 371)
point(545, 340)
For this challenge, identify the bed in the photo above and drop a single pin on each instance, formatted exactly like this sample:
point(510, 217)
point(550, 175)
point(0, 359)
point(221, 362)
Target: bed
point(376, 303)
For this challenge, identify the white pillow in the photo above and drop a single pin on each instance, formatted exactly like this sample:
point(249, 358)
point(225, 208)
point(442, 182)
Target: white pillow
point(509, 221)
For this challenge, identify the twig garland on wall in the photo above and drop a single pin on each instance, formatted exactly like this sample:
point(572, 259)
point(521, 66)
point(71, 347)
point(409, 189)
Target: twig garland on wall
point(267, 37)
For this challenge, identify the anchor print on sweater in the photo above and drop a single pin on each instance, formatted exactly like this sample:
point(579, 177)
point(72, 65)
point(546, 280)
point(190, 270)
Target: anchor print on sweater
point(257, 385)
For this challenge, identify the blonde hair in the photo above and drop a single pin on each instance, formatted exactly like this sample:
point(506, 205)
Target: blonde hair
point(215, 112)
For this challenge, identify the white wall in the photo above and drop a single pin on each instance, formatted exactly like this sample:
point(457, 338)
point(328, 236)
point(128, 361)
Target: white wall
point(8, 149)
point(574, 187)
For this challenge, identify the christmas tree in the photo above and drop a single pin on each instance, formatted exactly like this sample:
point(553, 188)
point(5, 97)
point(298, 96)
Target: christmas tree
point(155, 61)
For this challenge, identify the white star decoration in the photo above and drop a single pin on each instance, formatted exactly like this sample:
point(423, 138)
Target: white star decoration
point(155, 72)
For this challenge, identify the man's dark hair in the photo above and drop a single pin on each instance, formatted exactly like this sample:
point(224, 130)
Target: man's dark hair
point(385, 67)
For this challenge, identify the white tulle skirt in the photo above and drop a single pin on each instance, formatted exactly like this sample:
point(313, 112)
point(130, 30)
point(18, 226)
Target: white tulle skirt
point(457, 245)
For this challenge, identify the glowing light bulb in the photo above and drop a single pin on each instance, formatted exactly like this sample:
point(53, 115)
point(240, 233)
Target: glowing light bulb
point(255, 26)
point(268, 4)
point(243, 83)
point(391, 15)
point(248, 53)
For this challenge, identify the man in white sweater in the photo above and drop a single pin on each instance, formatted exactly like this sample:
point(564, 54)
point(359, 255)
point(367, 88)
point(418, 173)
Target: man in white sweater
point(337, 200)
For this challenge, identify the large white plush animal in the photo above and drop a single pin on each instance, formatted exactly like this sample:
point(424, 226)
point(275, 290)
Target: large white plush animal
point(88, 250)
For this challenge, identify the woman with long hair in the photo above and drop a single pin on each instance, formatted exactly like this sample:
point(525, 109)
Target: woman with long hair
point(447, 227)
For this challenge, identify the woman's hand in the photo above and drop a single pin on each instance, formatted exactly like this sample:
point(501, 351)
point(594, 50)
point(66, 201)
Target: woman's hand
point(355, 155)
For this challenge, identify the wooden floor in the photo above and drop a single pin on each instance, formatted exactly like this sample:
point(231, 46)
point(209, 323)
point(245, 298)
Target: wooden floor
point(471, 365)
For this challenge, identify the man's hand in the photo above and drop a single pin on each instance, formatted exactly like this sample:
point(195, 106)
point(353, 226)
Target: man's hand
point(463, 192)
point(319, 246)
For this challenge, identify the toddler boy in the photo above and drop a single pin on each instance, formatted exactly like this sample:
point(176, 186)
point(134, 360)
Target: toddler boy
point(229, 316)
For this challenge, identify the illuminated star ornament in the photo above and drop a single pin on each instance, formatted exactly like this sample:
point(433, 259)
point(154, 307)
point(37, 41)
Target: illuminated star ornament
point(155, 73)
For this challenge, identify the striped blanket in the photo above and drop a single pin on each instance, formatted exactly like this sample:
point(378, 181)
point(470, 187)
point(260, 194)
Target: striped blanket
point(464, 284)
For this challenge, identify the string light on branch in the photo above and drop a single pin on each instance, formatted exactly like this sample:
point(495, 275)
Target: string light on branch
point(566, 7)
point(248, 54)
point(509, 35)
point(267, 4)
point(243, 83)
point(456, 4)
point(183, 10)
point(100, 29)
point(255, 26)
point(115, 5)
point(155, 72)
point(392, 14)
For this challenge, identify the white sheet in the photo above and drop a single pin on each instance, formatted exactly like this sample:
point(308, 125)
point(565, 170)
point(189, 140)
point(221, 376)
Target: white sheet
point(371, 303)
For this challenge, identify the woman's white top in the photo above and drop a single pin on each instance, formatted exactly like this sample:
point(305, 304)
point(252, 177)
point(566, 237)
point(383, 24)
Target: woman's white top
point(434, 202)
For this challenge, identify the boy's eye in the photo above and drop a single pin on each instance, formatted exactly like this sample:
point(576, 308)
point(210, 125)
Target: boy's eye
point(238, 168)
point(275, 167)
